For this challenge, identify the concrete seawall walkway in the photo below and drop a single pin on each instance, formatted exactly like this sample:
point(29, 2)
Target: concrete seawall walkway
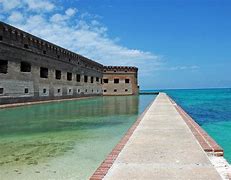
point(162, 147)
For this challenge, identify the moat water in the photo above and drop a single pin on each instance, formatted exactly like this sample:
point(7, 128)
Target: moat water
point(64, 140)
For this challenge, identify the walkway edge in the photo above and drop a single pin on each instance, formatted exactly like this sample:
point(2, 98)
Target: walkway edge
point(213, 150)
point(208, 144)
point(103, 169)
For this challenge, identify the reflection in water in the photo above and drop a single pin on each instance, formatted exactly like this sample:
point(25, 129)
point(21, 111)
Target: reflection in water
point(64, 133)
point(67, 115)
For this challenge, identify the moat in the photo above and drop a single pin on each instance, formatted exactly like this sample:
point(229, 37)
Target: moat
point(67, 139)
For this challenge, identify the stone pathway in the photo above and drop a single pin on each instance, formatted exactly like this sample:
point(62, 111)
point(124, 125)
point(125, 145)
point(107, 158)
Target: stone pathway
point(162, 147)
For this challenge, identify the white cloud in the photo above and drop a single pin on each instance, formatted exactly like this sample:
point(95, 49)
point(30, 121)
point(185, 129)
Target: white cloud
point(10, 4)
point(15, 17)
point(71, 11)
point(58, 18)
point(195, 67)
point(87, 15)
point(28, 5)
point(81, 33)
point(178, 68)
point(39, 5)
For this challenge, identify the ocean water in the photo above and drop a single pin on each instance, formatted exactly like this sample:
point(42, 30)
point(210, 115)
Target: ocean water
point(211, 109)
point(65, 140)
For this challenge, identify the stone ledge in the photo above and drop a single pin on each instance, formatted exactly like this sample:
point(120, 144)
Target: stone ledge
point(207, 143)
point(103, 169)
point(41, 102)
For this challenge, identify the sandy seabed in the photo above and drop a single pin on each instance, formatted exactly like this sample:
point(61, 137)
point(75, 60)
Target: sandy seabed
point(70, 165)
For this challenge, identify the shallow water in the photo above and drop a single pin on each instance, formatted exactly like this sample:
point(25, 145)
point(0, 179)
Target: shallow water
point(211, 109)
point(64, 140)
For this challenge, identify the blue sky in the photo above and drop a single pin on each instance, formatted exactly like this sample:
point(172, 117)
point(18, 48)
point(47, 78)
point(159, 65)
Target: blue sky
point(175, 43)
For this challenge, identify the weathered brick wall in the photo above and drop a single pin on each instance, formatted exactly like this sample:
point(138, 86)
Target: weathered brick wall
point(126, 78)
point(20, 86)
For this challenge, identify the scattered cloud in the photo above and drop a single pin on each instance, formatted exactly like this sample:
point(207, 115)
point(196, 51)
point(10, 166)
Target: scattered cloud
point(25, 5)
point(58, 18)
point(71, 11)
point(8, 5)
point(81, 33)
point(15, 17)
point(178, 68)
point(62, 18)
point(41, 5)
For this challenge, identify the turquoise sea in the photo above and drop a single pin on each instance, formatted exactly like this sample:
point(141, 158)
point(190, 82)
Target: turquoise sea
point(211, 109)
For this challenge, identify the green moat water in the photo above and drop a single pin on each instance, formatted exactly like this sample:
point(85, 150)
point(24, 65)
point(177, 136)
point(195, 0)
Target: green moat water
point(71, 136)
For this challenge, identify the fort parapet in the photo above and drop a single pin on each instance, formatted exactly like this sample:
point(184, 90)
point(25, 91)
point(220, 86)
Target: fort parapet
point(120, 80)
point(32, 69)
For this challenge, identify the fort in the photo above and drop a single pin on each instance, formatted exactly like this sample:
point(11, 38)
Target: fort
point(163, 143)
point(32, 69)
point(120, 80)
